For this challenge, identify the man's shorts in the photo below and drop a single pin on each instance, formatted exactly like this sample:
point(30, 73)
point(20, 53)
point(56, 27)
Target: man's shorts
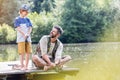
point(24, 47)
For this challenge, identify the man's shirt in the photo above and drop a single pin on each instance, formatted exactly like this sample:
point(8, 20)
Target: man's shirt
point(43, 45)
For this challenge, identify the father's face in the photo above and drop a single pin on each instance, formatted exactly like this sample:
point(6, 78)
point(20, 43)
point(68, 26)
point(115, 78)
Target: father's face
point(54, 33)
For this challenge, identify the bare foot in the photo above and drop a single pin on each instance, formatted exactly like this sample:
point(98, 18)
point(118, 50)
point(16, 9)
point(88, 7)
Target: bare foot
point(17, 67)
point(46, 68)
point(24, 68)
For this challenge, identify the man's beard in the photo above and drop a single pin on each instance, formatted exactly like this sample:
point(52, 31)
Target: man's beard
point(52, 36)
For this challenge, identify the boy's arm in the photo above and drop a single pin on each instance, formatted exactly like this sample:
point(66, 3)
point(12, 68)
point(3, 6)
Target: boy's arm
point(19, 29)
point(30, 27)
point(25, 35)
point(29, 31)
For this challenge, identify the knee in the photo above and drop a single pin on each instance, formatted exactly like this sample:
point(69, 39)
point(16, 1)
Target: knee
point(38, 60)
point(69, 57)
point(34, 58)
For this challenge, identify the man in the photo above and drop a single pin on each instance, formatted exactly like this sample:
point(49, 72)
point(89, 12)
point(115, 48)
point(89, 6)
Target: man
point(49, 51)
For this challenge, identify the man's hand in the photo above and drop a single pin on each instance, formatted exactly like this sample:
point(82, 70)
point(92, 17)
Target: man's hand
point(57, 62)
point(52, 64)
point(49, 66)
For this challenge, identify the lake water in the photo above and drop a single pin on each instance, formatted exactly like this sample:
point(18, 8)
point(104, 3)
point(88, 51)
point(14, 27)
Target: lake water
point(96, 61)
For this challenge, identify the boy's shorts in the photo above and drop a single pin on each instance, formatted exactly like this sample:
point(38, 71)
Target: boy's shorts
point(24, 47)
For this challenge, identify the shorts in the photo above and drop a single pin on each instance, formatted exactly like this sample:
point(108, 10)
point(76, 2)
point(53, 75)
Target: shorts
point(24, 47)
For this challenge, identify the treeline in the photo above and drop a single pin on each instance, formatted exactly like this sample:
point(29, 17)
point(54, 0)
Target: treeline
point(82, 20)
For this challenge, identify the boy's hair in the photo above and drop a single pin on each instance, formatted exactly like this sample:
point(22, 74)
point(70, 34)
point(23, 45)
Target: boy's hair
point(59, 28)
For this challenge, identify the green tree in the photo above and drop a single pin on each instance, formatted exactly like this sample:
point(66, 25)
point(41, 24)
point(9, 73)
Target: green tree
point(47, 5)
point(112, 32)
point(43, 5)
point(7, 34)
point(84, 20)
point(42, 25)
point(37, 6)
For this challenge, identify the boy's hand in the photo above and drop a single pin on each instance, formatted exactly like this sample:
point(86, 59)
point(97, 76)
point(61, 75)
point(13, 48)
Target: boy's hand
point(26, 36)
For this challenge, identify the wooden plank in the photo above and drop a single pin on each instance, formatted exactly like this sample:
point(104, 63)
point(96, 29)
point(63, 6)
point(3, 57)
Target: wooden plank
point(64, 70)
point(7, 73)
point(35, 71)
point(7, 70)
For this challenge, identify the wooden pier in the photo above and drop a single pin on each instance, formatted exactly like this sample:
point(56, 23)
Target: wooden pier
point(7, 73)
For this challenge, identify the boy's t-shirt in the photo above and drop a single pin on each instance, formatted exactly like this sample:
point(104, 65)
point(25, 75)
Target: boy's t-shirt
point(24, 24)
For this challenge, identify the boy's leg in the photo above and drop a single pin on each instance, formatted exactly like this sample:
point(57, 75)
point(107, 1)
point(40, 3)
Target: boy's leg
point(27, 60)
point(22, 60)
point(28, 49)
point(21, 51)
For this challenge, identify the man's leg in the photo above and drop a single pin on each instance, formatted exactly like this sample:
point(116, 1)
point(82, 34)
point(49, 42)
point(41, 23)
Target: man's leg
point(51, 66)
point(39, 62)
point(64, 60)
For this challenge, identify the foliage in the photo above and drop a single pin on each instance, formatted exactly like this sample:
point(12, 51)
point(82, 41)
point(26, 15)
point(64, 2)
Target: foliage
point(112, 32)
point(43, 5)
point(83, 21)
point(37, 6)
point(8, 53)
point(7, 34)
point(42, 24)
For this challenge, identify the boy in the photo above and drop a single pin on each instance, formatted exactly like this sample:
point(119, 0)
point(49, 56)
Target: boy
point(23, 27)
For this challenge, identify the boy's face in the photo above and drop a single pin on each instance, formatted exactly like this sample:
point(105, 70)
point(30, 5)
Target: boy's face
point(24, 13)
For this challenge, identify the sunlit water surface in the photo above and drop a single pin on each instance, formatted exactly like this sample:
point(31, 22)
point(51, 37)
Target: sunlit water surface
point(96, 61)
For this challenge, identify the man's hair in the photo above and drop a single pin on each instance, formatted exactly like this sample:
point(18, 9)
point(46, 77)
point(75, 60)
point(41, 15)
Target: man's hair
point(60, 30)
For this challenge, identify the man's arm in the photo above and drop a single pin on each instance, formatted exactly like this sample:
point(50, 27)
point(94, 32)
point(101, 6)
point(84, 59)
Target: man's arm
point(43, 46)
point(59, 53)
point(46, 58)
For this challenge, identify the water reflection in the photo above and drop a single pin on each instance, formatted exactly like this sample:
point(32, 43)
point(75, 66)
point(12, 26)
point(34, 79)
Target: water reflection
point(50, 77)
point(8, 53)
point(97, 61)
